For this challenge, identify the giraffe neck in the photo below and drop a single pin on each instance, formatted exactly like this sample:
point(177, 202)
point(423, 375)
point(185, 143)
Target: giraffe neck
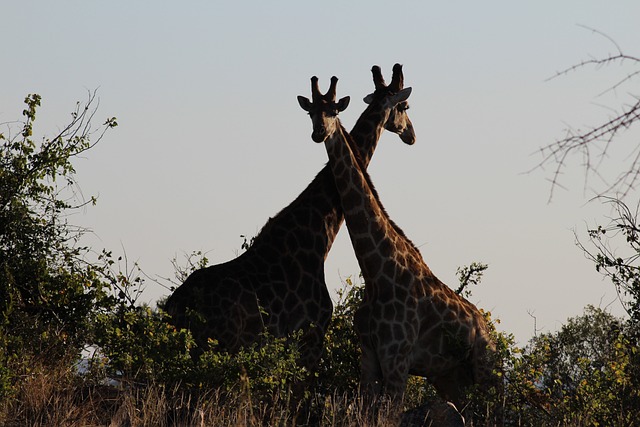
point(320, 196)
point(368, 223)
point(367, 131)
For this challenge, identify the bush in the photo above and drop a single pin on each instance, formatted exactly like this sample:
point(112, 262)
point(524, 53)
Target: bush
point(47, 292)
point(581, 375)
point(339, 370)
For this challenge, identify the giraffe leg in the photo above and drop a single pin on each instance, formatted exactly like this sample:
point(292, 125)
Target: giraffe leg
point(241, 321)
point(312, 339)
point(396, 374)
point(300, 403)
point(453, 387)
point(370, 372)
point(490, 383)
point(370, 384)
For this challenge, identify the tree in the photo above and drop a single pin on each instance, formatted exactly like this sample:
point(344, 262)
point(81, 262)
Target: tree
point(582, 375)
point(593, 363)
point(47, 291)
point(614, 247)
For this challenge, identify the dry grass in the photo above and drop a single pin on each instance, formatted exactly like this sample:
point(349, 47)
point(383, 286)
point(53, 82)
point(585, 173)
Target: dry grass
point(60, 398)
point(46, 396)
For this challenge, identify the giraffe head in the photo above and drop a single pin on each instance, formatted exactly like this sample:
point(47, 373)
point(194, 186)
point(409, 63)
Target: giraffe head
point(323, 109)
point(393, 96)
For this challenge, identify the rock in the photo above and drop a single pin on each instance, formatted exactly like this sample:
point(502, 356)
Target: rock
point(436, 413)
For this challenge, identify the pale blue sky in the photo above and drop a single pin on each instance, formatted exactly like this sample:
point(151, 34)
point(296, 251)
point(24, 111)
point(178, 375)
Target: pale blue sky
point(212, 142)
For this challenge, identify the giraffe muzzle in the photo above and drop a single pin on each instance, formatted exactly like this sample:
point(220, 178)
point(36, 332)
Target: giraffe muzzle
point(408, 136)
point(319, 135)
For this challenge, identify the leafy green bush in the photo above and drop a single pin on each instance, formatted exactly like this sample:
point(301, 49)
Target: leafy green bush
point(47, 292)
point(339, 370)
point(267, 372)
point(136, 343)
point(582, 375)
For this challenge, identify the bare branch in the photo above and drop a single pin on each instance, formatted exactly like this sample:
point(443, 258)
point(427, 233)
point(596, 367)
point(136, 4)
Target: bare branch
point(594, 144)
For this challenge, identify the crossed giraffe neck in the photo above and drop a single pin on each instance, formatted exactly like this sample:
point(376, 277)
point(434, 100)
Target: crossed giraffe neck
point(409, 321)
point(278, 284)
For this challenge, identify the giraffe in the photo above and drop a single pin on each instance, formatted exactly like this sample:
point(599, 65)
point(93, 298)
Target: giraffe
point(278, 284)
point(409, 321)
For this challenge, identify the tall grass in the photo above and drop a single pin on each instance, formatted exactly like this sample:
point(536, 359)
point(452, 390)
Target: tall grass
point(59, 397)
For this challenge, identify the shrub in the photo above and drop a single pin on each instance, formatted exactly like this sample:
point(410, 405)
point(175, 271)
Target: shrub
point(47, 292)
point(339, 370)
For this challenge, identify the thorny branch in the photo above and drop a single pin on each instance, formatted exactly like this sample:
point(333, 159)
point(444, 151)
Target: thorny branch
point(594, 144)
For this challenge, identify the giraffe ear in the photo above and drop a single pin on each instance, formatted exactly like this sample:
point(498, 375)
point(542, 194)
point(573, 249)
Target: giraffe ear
point(304, 103)
point(401, 96)
point(368, 99)
point(343, 103)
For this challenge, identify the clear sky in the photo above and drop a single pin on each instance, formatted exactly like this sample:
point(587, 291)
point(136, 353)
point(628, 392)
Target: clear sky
point(211, 140)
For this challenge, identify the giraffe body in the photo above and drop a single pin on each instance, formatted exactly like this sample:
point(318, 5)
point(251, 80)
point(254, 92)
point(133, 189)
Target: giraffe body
point(278, 284)
point(409, 321)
